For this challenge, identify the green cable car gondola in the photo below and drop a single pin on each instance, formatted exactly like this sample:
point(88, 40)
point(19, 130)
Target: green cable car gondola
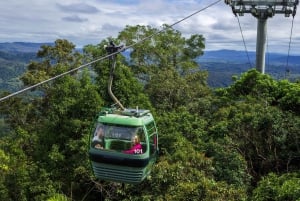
point(124, 145)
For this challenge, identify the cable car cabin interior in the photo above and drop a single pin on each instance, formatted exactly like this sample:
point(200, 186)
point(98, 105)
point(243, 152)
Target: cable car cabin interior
point(123, 145)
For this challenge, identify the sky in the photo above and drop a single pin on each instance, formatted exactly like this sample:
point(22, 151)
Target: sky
point(84, 22)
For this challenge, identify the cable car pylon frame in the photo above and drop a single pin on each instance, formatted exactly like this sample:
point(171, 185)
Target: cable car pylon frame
point(262, 10)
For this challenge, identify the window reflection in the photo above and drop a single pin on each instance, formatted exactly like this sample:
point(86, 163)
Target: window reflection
point(119, 138)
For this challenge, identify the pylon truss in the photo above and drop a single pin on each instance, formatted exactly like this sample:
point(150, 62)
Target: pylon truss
point(263, 9)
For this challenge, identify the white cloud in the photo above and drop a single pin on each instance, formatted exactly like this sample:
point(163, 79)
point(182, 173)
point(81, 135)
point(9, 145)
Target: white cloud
point(77, 8)
point(88, 22)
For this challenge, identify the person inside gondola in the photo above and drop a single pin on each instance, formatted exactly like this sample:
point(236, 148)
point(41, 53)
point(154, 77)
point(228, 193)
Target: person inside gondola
point(136, 148)
point(98, 138)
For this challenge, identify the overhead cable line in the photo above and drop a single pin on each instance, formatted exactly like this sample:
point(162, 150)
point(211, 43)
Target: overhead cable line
point(262, 10)
point(287, 70)
point(268, 52)
point(105, 57)
point(51, 79)
point(179, 21)
point(244, 41)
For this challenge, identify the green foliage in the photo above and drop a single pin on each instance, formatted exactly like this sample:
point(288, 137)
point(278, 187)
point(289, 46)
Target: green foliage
point(229, 165)
point(63, 144)
point(255, 84)
point(51, 131)
point(278, 188)
point(184, 171)
point(24, 179)
point(213, 146)
point(5, 169)
point(18, 117)
point(4, 127)
point(262, 87)
point(165, 50)
point(288, 96)
point(4, 159)
point(189, 125)
point(12, 65)
point(53, 60)
point(264, 130)
point(169, 90)
point(58, 197)
point(185, 174)
point(128, 89)
point(166, 65)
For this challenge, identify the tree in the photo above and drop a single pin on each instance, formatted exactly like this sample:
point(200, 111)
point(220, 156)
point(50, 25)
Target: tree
point(125, 86)
point(264, 132)
point(185, 171)
point(165, 49)
point(275, 187)
point(53, 130)
point(184, 174)
point(166, 64)
point(169, 90)
point(23, 178)
point(288, 96)
point(54, 60)
point(262, 87)
point(5, 169)
point(64, 134)
point(211, 142)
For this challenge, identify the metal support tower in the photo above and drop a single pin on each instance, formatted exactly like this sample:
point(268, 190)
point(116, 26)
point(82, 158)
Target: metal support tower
point(262, 10)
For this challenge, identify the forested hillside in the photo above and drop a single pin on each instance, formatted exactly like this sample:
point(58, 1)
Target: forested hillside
point(239, 142)
point(12, 65)
point(221, 65)
point(13, 60)
point(14, 57)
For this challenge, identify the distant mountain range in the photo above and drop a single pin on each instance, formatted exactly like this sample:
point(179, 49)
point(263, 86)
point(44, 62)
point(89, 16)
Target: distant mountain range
point(21, 47)
point(233, 56)
point(221, 64)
